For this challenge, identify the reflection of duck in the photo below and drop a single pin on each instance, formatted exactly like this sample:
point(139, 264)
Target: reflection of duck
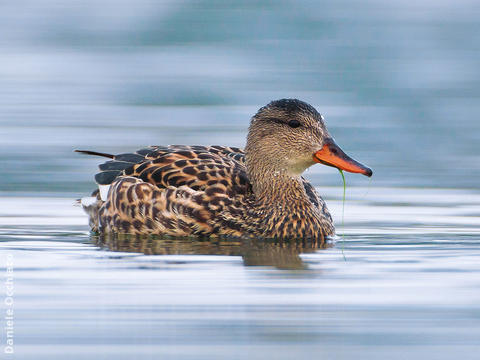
point(224, 191)
point(282, 254)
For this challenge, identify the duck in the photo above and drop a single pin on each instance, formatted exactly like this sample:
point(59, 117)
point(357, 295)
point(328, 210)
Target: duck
point(222, 191)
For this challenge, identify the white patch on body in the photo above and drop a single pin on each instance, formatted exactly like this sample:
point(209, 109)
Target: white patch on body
point(104, 191)
point(88, 201)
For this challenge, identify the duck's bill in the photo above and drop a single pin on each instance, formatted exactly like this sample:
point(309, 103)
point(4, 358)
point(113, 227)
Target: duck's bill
point(332, 155)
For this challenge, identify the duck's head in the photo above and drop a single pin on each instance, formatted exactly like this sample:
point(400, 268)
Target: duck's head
point(287, 136)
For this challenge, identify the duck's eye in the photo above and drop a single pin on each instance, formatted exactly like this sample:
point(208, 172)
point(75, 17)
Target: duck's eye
point(294, 123)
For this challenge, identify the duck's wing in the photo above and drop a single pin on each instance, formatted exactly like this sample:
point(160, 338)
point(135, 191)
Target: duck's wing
point(197, 167)
point(174, 190)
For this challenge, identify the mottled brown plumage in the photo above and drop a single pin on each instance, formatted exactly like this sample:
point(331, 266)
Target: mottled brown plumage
point(223, 191)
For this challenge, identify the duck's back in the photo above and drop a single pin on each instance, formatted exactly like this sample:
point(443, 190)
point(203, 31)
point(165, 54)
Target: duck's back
point(197, 167)
point(175, 190)
point(178, 190)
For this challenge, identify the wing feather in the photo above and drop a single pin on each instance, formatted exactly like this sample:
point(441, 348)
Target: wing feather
point(196, 167)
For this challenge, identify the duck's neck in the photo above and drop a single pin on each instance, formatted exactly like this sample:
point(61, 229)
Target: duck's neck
point(276, 186)
point(283, 203)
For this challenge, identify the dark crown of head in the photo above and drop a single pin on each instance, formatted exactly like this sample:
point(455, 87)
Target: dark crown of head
point(291, 106)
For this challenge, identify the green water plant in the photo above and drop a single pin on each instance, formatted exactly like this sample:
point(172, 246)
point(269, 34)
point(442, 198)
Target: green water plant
point(343, 212)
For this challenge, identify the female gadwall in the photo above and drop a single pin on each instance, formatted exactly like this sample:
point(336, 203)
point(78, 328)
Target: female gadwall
point(224, 191)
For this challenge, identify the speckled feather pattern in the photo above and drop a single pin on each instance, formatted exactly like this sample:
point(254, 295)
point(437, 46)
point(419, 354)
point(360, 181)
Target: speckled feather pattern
point(205, 191)
point(219, 191)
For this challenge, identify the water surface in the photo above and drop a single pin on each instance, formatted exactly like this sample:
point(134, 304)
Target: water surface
point(397, 291)
point(399, 85)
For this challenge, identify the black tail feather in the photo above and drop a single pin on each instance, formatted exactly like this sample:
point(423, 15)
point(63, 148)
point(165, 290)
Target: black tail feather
point(88, 152)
